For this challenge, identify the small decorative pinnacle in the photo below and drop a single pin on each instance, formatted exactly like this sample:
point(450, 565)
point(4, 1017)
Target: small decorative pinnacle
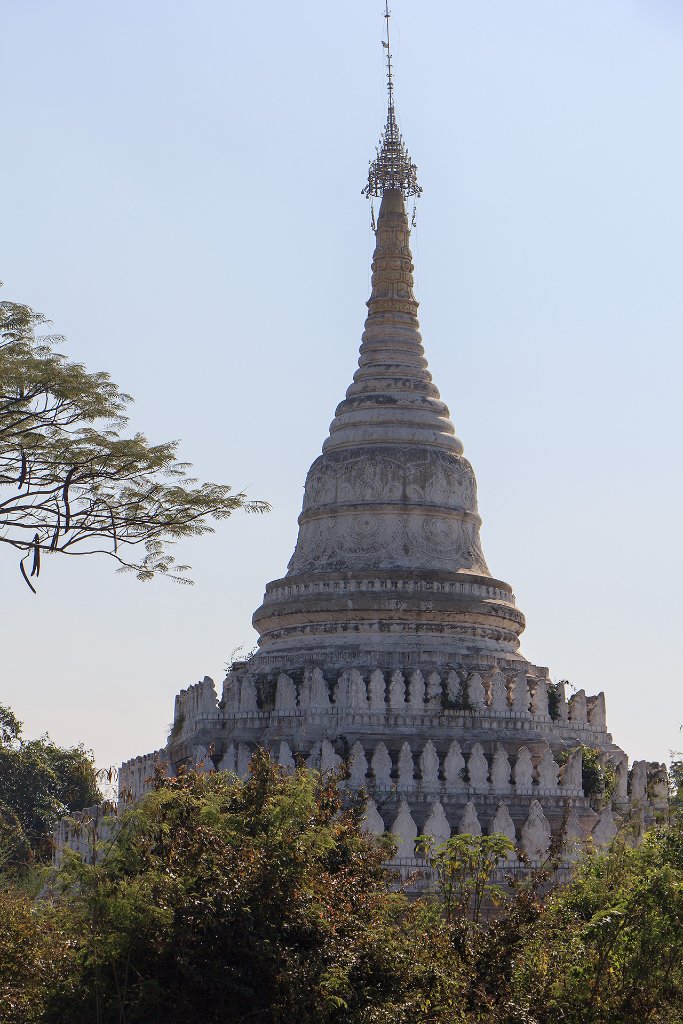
point(392, 167)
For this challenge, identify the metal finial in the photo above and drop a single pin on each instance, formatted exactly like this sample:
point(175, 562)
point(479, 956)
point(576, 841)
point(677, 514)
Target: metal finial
point(392, 168)
point(387, 46)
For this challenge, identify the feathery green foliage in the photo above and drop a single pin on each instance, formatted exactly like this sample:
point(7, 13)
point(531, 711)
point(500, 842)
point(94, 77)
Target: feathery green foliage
point(72, 482)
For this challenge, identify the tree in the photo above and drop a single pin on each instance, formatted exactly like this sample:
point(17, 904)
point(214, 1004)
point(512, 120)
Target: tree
point(40, 782)
point(608, 947)
point(74, 483)
point(464, 867)
point(260, 901)
point(36, 953)
point(223, 901)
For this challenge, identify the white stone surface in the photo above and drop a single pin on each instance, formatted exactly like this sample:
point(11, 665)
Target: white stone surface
point(638, 788)
point(136, 775)
point(429, 766)
point(523, 771)
point(563, 710)
point(540, 699)
point(548, 771)
point(498, 694)
point(329, 759)
point(520, 693)
point(500, 771)
point(406, 768)
point(372, 820)
point(377, 689)
point(597, 713)
point(315, 694)
point(469, 822)
point(248, 700)
point(416, 691)
point(536, 833)
point(478, 769)
point(578, 712)
point(605, 829)
point(621, 788)
point(381, 766)
point(285, 757)
point(405, 831)
point(476, 693)
point(231, 693)
point(201, 760)
point(453, 687)
point(437, 825)
point(243, 759)
point(285, 693)
point(454, 768)
point(434, 691)
point(228, 761)
point(397, 691)
point(572, 772)
point(658, 786)
point(573, 843)
point(504, 825)
point(358, 766)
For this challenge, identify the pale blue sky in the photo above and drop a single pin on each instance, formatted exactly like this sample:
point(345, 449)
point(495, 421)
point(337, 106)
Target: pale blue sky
point(181, 195)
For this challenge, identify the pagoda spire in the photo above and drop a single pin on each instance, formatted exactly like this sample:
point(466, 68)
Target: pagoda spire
point(388, 559)
point(392, 168)
point(392, 399)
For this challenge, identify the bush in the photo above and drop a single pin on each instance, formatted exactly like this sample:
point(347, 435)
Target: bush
point(263, 901)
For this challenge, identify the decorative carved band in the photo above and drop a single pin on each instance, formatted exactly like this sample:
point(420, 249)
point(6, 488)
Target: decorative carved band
point(279, 590)
point(389, 508)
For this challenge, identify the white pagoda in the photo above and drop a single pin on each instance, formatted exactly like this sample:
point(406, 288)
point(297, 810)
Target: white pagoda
point(389, 646)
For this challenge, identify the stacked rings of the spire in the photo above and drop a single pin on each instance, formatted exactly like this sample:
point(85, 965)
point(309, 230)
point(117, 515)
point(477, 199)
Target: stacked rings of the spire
point(392, 399)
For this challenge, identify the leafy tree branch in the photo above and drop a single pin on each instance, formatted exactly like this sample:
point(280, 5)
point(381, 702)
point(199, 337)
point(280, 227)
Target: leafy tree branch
point(72, 482)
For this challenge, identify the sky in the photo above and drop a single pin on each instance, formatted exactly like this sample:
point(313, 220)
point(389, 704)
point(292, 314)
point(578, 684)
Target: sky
point(181, 197)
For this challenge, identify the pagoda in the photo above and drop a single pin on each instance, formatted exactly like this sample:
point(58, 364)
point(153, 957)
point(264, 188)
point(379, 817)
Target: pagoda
point(389, 647)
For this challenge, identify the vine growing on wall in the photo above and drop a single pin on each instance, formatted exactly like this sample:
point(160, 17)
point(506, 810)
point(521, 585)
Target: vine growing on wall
point(554, 700)
point(598, 775)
